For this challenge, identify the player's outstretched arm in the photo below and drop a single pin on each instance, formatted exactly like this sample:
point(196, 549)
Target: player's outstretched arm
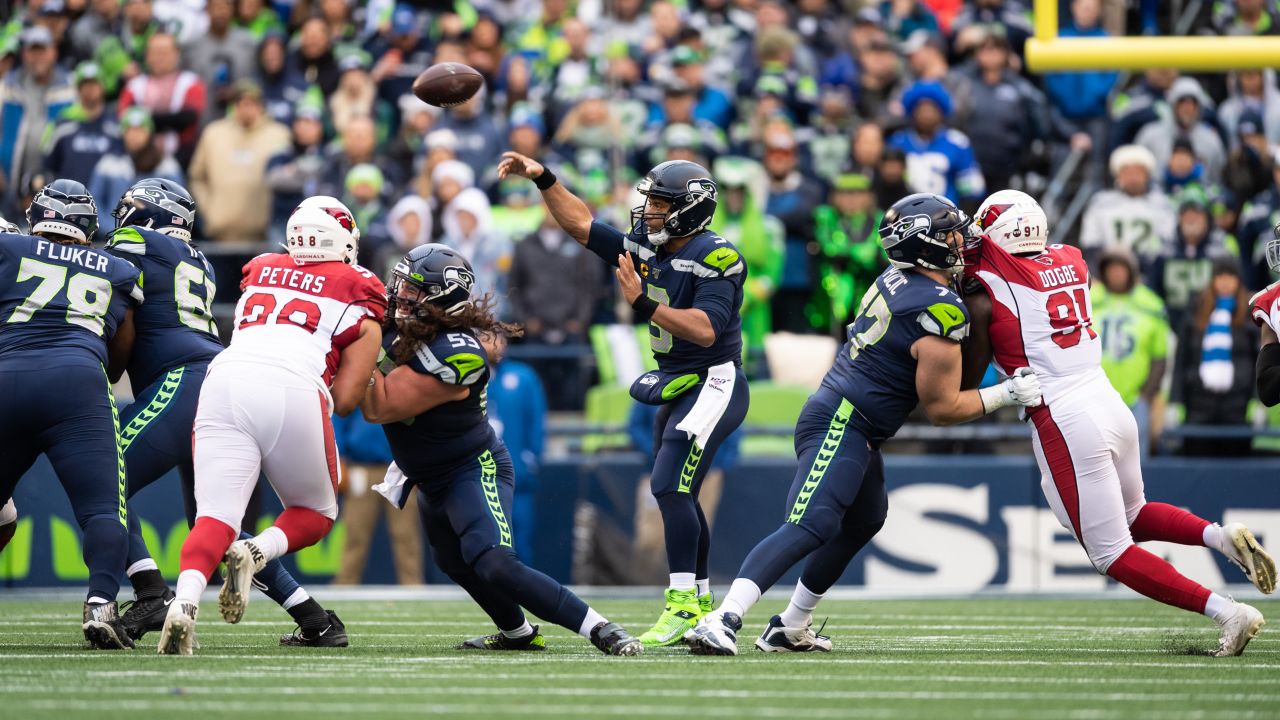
point(120, 348)
point(355, 367)
point(938, 371)
point(568, 210)
point(406, 393)
point(1268, 374)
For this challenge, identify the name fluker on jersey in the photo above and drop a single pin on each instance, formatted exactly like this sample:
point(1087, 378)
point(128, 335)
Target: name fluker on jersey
point(68, 253)
point(290, 278)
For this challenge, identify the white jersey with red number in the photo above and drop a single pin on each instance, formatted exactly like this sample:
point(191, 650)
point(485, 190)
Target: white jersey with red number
point(1041, 316)
point(300, 316)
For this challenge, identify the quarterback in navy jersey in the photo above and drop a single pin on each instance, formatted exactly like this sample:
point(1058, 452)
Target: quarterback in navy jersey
point(66, 312)
point(903, 350)
point(431, 404)
point(687, 284)
point(176, 338)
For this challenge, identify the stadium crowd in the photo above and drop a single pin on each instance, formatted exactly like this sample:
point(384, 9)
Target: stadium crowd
point(813, 116)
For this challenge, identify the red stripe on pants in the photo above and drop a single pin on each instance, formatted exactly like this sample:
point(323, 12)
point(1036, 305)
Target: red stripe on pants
point(1061, 468)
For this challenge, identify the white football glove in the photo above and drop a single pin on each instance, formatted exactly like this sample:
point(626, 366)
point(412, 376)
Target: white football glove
point(1022, 388)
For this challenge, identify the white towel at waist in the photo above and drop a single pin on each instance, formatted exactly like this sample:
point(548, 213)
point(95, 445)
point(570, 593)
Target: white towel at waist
point(392, 486)
point(713, 400)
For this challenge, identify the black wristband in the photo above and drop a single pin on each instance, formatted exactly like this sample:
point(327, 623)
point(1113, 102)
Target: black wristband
point(545, 180)
point(644, 308)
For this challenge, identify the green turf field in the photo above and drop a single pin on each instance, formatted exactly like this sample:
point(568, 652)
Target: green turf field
point(1083, 659)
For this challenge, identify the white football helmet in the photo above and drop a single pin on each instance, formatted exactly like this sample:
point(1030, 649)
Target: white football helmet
point(322, 229)
point(1015, 221)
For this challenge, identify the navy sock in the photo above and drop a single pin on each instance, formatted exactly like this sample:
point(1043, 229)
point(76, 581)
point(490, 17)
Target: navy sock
point(137, 548)
point(274, 580)
point(534, 590)
point(775, 555)
point(148, 584)
point(682, 530)
point(106, 544)
point(827, 563)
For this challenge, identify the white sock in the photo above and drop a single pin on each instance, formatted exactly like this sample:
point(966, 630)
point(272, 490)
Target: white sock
point(524, 630)
point(1218, 607)
point(589, 622)
point(799, 612)
point(272, 542)
point(95, 600)
point(704, 586)
point(742, 595)
point(298, 597)
point(140, 566)
point(682, 581)
point(1213, 536)
point(191, 584)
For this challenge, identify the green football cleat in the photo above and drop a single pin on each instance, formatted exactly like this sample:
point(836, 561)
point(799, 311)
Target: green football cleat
point(707, 602)
point(497, 641)
point(679, 617)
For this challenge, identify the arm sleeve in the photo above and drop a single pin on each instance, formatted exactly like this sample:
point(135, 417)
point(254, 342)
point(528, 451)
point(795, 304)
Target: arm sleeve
point(454, 358)
point(1268, 374)
point(606, 241)
point(715, 297)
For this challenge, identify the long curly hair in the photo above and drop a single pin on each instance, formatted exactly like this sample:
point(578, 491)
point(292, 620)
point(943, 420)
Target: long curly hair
point(428, 321)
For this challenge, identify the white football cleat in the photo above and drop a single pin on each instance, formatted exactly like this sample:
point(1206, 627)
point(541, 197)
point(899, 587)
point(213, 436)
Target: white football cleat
point(178, 635)
point(1238, 628)
point(780, 638)
point(1243, 550)
point(243, 560)
point(715, 634)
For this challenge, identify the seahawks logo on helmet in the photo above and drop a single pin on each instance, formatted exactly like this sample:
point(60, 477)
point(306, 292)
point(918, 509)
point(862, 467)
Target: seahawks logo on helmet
point(908, 226)
point(700, 186)
point(456, 275)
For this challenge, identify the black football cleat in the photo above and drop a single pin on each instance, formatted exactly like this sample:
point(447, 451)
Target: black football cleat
point(335, 635)
point(497, 641)
point(715, 635)
point(613, 639)
point(102, 628)
point(143, 616)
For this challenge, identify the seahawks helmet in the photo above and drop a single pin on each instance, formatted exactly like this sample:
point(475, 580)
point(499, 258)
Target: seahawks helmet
point(914, 232)
point(440, 272)
point(157, 204)
point(692, 193)
point(7, 227)
point(64, 207)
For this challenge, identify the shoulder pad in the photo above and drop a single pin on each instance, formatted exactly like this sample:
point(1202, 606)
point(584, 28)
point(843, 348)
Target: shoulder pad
point(453, 363)
point(945, 318)
point(724, 258)
point(127, 239)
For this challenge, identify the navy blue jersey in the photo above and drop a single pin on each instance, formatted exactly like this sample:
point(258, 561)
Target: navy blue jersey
point(60, 303)
point(175, 325)
point(875, 370)
point(455, 433)
point(707, 274)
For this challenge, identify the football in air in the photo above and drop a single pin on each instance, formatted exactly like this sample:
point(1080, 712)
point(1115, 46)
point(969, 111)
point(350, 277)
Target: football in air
point(447, 84)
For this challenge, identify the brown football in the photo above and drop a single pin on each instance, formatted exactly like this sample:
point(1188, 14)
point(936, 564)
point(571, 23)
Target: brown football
point(447, 84)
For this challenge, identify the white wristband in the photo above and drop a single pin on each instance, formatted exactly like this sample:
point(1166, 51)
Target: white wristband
point(995, 397)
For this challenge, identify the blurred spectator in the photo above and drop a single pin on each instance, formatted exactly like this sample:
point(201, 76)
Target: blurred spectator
point(677, 109)
point(542, 38)
point(85, 131)
point(175, 97)
point(410, 143)
point(466, 229)
point(357, 96)
point(891, 177)
point(544, 264)
point(1184, 171)
point(364, 188)
point(31, 98)
point(904, 17)
point(628, 23)
point(101, 20)
point(866, 150)
point(408, 225)
point(926, 55)
point(793, 196)
point(139, 25)
point(1135, 338)
point(1216, 351)
point(820, 26)
point(827, 139)
point(519, 211)
point(579, 70)
point(849, 254)
point(140, 155)
point(281, 89)
point(1245, 17)
point(228, 172)
point(1133, 108)
point(54, 15)
point(1010, 14)
point(220, 56)
point(293, 174)
point(401, 57)
point(366, 453)
point(1187, 100)
point(1183, 271)
point(740, 218)
point(1135, 215)
point(257, 18)
point(710, 104)
point(1248, 170)
point(518, 413)
point(479, 138)
point(358, 144)
point(1009, 113)
point(590, 125)
point(485, 51)
point(314, 59)
point(448, 179)
point(1081, 96)
point(939, 159)
point(1258, 217)
point(1251, 90)
point(775, 57)
point(840, 67)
